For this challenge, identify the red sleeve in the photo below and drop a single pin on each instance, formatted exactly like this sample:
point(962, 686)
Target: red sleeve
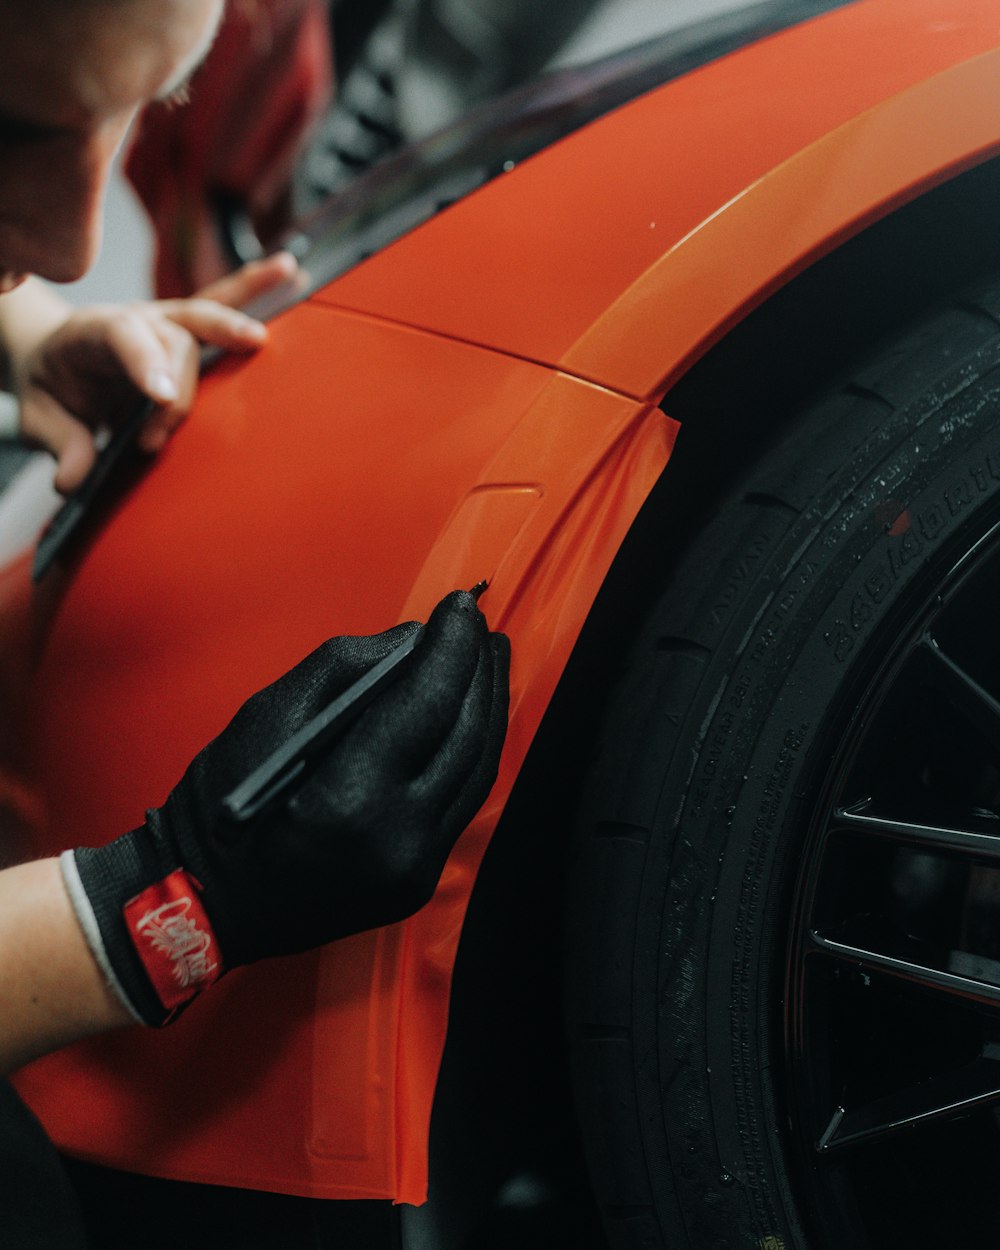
point(266, 79)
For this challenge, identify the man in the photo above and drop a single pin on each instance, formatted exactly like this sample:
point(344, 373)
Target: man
point(93, 942)
point(74, 76)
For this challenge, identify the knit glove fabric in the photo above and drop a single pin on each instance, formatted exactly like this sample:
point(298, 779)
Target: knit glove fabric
point(171, 906)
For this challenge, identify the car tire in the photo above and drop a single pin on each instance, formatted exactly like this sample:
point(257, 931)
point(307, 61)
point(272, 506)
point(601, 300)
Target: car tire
point(782, 993)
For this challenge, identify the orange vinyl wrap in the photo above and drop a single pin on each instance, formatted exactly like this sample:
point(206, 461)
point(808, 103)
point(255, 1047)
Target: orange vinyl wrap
point(315, 492)
point(473, 402)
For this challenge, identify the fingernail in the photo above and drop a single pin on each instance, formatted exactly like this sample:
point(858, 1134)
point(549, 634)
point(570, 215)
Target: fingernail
point(287, 260)
point(253, 329)
point(161, 386)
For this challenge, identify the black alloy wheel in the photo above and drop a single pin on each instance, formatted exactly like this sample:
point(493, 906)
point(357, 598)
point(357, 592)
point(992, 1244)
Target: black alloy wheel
point(893, 990)
point(784, 936)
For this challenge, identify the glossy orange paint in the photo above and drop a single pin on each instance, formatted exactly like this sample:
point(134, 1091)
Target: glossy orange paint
point(627, 248)
point(472, 402)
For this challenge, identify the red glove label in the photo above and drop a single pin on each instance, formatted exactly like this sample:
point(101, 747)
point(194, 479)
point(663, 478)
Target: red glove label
point(171, 932)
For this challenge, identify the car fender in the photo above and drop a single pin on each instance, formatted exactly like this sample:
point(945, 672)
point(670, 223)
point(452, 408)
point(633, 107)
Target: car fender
point(640, 239)
point(478, 400)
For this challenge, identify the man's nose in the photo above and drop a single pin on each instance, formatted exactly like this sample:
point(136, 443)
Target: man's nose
point(68, 222)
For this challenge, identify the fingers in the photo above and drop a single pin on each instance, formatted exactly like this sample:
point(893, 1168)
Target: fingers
point(283, 707)
point(79, 377)
point(158, 358)
point(44, 421)
point(180, 327)
point(252, 280)
point(212, 314)
point(171, 383)
point(129, 336)
point(473, 749)
point(446, 664)
point(215, 324)
point(405, 727)
point(77, 384)
point(328, 671)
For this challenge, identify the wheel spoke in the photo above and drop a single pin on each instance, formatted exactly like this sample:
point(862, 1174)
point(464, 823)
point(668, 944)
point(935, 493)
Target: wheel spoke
point(962, 691)
point(982, 845)
point(949, 985)
point(940, 1097)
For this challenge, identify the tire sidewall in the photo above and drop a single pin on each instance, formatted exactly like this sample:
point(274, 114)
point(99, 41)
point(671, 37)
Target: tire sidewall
point(794, 649)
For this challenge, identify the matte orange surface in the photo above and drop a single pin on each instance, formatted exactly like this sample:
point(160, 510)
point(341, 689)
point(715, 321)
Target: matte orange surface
point(357, 469)
point(316, 491)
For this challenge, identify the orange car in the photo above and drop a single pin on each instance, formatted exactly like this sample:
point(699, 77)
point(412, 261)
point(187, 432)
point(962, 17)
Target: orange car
point(694, 355)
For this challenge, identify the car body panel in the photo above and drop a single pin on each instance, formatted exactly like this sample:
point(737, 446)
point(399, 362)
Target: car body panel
point(475, 401)
point(454, 465)
point(699, 197)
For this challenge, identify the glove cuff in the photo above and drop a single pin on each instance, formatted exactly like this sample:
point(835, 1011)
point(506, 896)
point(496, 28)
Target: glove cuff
point(147, 928)
point(92, 931)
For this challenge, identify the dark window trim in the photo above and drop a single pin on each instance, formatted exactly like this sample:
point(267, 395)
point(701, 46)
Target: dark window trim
point(413, 185)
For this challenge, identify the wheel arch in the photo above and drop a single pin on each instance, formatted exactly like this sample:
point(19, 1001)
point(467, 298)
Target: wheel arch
point(732, 403)
point(744, 391)
point(740, 395)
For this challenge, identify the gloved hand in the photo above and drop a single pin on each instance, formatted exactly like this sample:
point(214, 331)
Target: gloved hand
point(172, 905)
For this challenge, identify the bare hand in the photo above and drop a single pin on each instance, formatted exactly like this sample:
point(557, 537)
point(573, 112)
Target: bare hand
point(89, 371)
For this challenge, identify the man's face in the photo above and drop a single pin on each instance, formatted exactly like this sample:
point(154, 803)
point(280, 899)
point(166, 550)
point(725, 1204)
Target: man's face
point(73, 74)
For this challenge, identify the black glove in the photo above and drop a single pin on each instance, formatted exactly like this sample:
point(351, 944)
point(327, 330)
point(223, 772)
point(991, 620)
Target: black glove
point(172, 905)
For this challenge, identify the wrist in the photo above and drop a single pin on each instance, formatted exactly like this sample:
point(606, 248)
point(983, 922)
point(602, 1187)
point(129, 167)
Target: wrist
point(145, 920)
point(51, 990)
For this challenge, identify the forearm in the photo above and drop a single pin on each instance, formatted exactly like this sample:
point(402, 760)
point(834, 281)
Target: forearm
point(51, 990)
point(27, 316)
